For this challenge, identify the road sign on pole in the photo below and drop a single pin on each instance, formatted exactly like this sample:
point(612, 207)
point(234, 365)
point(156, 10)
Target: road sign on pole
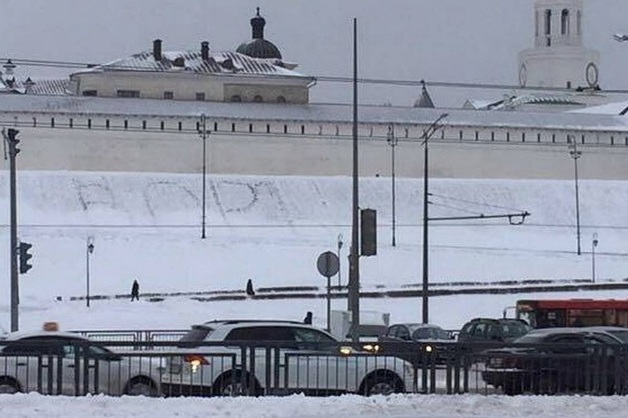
point(328, 265)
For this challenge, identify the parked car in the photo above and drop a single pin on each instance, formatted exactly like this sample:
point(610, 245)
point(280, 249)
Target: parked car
point(419, 344)
point(289, 357)
point(557, 360)
point(55, 363)
point(493, 330)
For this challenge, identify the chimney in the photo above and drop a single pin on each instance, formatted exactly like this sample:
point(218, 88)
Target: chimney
point(205, 51)
point(157, 50)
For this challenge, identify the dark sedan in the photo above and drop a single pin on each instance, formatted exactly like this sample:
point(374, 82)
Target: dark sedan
point(419, 344)
point(561, 360)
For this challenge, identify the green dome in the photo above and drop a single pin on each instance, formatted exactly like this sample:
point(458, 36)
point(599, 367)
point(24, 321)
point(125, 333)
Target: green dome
point(259, 48)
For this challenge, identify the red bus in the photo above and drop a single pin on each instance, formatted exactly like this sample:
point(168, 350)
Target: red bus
point(547, 313)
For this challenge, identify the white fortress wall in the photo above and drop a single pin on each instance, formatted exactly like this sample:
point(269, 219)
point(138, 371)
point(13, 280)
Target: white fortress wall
point(80, 142)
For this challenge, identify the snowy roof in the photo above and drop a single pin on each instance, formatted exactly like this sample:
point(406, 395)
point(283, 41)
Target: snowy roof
point(47, 87)
point(224, 62)
point(618, 108)
point(509, 102)
point(316, 113)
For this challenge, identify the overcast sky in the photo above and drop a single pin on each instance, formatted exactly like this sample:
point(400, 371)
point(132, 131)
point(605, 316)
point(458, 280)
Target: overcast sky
point(435, 40)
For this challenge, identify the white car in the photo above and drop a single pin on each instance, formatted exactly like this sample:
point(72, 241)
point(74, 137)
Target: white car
point(289, 357)
point(59, 363)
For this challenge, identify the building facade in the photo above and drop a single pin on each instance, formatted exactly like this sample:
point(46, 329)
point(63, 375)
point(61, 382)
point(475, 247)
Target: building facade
point(558, 58)
point(143, 135)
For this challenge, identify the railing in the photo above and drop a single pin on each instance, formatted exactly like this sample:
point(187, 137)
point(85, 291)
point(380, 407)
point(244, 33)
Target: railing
point(277, 368)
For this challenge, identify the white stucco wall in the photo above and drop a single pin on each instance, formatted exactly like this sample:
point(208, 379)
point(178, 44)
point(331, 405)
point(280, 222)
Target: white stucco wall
point(62, 148)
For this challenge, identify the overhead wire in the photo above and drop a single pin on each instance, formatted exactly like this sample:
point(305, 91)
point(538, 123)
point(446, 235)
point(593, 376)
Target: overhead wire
point(319, 78)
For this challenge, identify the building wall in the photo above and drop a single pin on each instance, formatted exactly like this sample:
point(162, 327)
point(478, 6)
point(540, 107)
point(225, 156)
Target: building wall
point(64, 142)
point(558, 67)
point(269, 94)
point(185, 86)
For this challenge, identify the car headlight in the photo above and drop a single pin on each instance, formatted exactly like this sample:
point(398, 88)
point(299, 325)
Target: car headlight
point(428, 348)
point(346, 350)
point(371, 348)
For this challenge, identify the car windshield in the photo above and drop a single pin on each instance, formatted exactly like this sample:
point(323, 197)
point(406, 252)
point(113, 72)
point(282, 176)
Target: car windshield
point(531, 338)
point(514, 329)
point(621, 335)
point(196, 335)
point(429, 333)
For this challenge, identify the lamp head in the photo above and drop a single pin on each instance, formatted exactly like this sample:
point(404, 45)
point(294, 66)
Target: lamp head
point(620, 37)
point(90, 244)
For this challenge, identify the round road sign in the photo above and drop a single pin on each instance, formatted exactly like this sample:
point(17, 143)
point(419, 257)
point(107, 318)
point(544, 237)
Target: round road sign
point(328, 264)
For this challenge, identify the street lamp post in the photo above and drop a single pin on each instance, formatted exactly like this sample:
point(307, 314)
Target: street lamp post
point(427, 134)
point(89, 250)
point(594, 243)
point(203, 132)
point(393, 141)
point(575, 154)
point(339, 269)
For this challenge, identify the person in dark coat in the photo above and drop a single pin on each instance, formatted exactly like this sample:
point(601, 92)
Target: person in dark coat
point(135, 291)
point(308, 318)
point(249, 288)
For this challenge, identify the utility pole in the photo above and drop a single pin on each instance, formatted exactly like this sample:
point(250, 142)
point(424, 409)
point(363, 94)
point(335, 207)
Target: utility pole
point(393, 141)
point(427, 134)
point(203, 133)
point(575, 154)
point(354, 258)
point(12, 141)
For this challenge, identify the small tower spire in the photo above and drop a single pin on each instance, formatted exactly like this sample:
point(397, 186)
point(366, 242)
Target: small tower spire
point(257, 24)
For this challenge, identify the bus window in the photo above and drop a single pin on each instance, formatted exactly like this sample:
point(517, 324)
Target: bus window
point(546, 313)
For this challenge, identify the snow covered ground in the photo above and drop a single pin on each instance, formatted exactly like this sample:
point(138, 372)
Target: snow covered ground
point(271, 230)
point(398, 406)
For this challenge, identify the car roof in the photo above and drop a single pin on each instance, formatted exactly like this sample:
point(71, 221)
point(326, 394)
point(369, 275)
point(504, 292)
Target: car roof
point(497, 320)
point(416, 325)
point(252, 321)
point(20, 335)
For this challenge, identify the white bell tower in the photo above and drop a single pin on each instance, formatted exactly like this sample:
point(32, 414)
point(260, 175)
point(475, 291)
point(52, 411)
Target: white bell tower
point(558, 58)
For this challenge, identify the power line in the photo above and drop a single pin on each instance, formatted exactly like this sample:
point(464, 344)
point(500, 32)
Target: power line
point(27, 62)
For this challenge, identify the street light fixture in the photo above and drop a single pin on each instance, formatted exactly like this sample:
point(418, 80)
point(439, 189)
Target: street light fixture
point(620, 37)
point(594, 243)
point(575, 154)
point(427, 134)
point(392, 141)
point(89, 250)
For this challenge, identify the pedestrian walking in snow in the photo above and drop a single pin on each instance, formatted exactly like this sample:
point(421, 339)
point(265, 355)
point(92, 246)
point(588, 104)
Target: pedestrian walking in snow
point(135, 291)
point(249, 288)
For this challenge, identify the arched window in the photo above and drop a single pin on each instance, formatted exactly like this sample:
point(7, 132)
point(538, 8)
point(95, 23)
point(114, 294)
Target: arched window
point(579, 23)
point(258, 99)
point(548, 27)
point(564, 22)
point(236, 98)
point(281, 99)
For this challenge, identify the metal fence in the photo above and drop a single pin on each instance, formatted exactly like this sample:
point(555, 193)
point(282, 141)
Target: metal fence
point(151, 363)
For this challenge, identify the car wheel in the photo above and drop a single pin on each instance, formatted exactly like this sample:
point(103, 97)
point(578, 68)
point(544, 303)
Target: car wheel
point(512, 389)
point(142, 388)
point(546, 385)
point(382, 385)
point(9, 386)
point(227, 385)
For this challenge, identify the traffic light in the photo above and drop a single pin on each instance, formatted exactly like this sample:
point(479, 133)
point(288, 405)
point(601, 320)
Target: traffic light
point(24, 257)
point(13, 141)
point(368, 229)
